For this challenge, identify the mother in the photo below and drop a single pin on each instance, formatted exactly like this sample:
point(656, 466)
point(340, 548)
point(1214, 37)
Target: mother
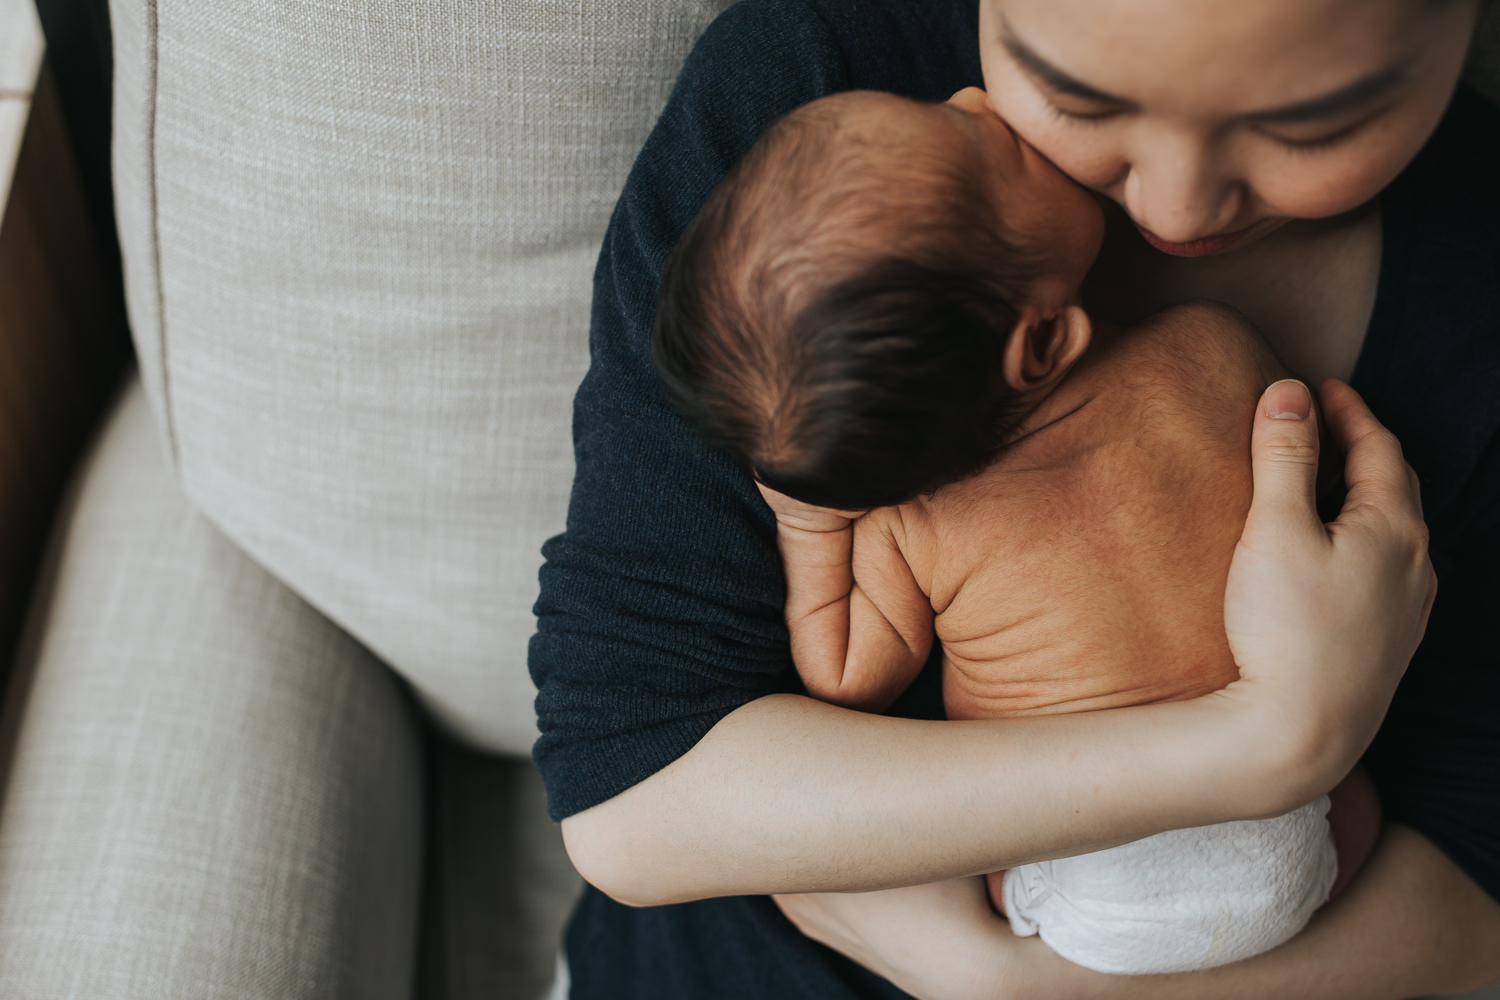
point(1258, 147)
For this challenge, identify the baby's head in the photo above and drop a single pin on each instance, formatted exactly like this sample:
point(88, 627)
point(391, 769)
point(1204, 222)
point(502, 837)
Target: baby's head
point(874, 296)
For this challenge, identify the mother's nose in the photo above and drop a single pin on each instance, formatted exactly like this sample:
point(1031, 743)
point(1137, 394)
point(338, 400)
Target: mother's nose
point(1182, 189)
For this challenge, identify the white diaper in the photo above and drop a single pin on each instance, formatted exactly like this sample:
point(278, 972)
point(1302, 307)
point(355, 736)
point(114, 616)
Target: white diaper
point(1181, 900)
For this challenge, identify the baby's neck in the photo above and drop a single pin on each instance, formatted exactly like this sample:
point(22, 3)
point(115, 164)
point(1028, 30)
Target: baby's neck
point(1060, 423)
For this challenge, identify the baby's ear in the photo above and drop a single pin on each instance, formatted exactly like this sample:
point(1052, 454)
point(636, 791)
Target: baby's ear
point(1041, 349)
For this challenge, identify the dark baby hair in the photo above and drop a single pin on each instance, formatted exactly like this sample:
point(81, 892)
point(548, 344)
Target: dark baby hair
point(836, 314)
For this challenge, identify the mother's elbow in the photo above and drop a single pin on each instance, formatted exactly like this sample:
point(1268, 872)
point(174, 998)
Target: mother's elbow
point(600, 842)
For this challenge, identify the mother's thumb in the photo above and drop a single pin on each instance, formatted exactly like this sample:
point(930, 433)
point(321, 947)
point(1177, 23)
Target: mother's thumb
point(1284, 454)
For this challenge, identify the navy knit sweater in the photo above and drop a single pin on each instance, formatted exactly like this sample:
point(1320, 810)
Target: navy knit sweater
point(661, 604)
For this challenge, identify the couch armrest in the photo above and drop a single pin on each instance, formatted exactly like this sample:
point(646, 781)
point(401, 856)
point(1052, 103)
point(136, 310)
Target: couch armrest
point(62, 341)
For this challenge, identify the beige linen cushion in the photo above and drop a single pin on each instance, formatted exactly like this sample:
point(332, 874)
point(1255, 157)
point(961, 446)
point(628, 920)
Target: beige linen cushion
point(210, 790)
point(358, 241)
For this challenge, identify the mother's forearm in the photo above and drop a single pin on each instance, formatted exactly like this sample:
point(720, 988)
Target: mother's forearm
point(1410, 924)
point(791, 795)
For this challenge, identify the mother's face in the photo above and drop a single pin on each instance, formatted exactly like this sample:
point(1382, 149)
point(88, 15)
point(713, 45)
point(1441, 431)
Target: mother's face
point(1214, 121)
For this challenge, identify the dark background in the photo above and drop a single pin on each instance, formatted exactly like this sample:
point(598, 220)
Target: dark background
point(78, 52)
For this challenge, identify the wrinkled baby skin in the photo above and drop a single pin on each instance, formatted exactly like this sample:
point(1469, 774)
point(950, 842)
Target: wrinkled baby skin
point(1085, 568)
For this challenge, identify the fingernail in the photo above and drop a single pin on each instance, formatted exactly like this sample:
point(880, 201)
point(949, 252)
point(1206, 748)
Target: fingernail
point(1287, 400)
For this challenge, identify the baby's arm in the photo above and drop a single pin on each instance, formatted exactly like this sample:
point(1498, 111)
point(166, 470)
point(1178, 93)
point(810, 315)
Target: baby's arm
point(860, 626)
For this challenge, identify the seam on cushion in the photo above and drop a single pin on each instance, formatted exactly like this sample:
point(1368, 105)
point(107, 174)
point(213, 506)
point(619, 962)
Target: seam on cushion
point(154, 102)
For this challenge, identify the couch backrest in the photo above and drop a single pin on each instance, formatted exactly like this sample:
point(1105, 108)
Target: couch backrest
point(358, 243)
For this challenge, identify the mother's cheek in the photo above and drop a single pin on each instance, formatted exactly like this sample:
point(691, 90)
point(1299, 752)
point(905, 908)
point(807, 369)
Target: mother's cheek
point(1092, 160)
point(1317, 191)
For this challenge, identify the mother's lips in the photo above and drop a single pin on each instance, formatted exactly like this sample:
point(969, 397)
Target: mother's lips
point(1195, 248)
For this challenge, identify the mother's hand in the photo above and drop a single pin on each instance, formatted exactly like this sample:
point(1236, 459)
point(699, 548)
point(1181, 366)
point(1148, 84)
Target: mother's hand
point(937, 942)
point(1323, 618)
point(940, 942)
point(944, 942)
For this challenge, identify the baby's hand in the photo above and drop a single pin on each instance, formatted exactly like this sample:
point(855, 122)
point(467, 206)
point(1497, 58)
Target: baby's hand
point(805, 516)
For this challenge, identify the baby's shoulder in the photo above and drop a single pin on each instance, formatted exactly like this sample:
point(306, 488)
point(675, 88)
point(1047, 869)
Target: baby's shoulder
point(1198, 347)
point(1203, 332)
point(1197, 365)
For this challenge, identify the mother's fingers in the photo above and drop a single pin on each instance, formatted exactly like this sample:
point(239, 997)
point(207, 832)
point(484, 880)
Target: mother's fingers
point(1379, 479)
point(1375, 470)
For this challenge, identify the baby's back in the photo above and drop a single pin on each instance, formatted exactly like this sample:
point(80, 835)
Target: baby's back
point(1085, 569)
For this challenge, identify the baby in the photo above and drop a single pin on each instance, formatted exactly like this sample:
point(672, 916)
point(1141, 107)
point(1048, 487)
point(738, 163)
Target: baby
point(877, 314)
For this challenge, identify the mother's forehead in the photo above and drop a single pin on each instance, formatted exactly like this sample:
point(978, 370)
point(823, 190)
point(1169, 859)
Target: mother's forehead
point(1257, 55)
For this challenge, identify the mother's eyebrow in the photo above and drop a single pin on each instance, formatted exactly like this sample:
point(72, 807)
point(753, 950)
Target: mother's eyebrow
point(1049, 74)
point(1361, 93)
point(1350, 97)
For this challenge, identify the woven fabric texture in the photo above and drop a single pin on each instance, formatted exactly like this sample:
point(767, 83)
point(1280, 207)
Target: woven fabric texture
point(210, 790)
point(359, 238)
